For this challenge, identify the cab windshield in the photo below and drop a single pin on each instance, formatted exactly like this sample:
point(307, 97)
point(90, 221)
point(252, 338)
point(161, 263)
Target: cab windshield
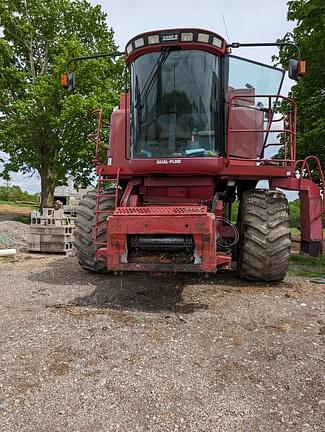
point(175, 104)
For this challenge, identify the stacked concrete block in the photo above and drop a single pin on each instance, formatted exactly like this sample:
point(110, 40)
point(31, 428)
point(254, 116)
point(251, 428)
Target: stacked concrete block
point(50, 231)
point(70, 210)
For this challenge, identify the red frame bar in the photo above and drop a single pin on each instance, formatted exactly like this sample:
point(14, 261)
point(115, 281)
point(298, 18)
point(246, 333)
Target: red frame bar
point(305, 166)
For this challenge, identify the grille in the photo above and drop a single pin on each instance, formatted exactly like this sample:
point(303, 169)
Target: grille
point(158, 211)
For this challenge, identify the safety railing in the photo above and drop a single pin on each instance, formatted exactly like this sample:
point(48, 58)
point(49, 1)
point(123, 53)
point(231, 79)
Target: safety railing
point(107, 189)
point(96, 137)
point(253, 121)
point(304, 170)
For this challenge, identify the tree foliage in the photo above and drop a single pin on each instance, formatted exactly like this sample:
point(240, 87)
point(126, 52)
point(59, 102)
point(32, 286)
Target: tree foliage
point(42, 127)
point(15, 194)
point(309, 36)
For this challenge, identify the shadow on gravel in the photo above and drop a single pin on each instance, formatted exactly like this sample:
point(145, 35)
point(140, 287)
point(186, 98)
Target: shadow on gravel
point(146, 292)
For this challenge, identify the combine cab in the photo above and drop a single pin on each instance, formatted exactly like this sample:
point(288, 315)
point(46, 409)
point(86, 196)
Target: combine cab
point(197, 130)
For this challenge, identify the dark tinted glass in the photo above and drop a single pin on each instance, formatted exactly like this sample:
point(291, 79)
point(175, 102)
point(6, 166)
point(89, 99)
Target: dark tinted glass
point(175, 104)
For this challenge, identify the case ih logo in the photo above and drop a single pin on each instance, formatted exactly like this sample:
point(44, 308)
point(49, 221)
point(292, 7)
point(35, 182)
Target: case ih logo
point(168, 161)
point(169, 37)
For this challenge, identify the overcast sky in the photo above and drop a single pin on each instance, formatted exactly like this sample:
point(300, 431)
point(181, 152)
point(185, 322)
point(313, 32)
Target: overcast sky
point(246, 21)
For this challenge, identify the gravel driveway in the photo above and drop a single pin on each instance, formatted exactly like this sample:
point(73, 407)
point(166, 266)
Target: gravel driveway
point(83, 352)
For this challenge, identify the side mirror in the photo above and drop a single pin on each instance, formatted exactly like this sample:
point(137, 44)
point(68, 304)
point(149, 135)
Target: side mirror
point(68, 81)
point(296, 69)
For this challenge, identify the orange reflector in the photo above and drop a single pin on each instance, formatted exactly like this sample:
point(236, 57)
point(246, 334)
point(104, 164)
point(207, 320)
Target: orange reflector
point(64, 80)
point(301, 68)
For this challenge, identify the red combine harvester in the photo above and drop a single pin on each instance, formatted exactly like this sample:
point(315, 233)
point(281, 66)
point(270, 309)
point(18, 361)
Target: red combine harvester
point(198, 129)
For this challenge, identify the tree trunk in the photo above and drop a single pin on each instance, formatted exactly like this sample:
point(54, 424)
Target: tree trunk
point(47, 187)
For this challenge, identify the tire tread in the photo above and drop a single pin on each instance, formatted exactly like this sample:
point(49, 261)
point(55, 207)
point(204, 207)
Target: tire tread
point(83, 233)
point(266, 236)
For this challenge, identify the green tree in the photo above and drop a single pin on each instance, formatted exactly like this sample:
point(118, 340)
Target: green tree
point(42, 127)
point(309, 36)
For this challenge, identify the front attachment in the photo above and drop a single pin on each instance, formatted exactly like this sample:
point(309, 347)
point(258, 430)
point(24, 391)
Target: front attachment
point(162, 239)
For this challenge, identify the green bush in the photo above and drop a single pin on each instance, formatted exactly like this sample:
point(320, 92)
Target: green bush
point(15, 194)
point(294, 213)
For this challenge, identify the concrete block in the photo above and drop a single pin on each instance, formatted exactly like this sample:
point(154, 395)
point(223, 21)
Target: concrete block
point(55, 247)
point(34, 238)
point(50, 229)
point(48, 212)
point(72, 221)
point(58, 214)
point(35, 214)
point(34, 247)
point(50, 236)
point(49, 247)
point(59, 238)
point(60, 222)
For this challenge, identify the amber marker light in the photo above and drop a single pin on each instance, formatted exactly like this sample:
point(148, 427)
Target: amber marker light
point(64, 81)
point(301, 68)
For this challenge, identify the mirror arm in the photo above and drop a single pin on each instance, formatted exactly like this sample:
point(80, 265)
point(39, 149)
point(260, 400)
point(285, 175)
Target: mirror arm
point(94, 56)
point(278, 44)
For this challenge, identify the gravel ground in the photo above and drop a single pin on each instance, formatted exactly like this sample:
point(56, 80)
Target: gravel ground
point(83, 352)
point(13, 234)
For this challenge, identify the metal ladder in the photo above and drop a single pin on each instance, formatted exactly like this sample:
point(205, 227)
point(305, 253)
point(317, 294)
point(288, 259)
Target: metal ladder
point(101, 196)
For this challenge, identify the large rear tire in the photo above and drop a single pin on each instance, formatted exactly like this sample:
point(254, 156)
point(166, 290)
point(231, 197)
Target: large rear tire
point(265, 236)
point(85, 225)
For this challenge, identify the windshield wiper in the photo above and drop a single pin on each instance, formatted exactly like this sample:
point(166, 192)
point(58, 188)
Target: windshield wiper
point(142, 97)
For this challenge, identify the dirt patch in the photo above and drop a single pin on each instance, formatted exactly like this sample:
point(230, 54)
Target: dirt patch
point(14, 212)
point(141, 352)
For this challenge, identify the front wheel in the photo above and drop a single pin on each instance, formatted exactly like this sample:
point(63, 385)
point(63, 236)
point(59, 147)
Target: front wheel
point(85, 226)
point(265, 236)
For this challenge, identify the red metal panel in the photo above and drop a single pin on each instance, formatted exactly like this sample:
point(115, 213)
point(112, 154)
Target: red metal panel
point(242, 117)
point(249, 142)
point(224, 261)
point(152, 199)
point(190, 166)
point(161, 220)
point(178, 181)
point(166, 224)
point(311, 207)
point(157, 211)
point(177, 189)
point(218, 166)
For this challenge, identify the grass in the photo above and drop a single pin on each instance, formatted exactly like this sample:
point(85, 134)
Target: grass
point(309, 261)
point(307, 266)
point(17, 204)
point(22, 218)
point(16, 211)
point(295, 232)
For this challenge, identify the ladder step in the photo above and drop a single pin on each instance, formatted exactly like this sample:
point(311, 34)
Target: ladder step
point(105, 195)
point(99, 196)
point(103, 179)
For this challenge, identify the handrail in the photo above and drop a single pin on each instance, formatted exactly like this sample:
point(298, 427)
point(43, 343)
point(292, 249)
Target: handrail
point(305, 166)
point(117, 186)
point(288, 131)
point(96, 137)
